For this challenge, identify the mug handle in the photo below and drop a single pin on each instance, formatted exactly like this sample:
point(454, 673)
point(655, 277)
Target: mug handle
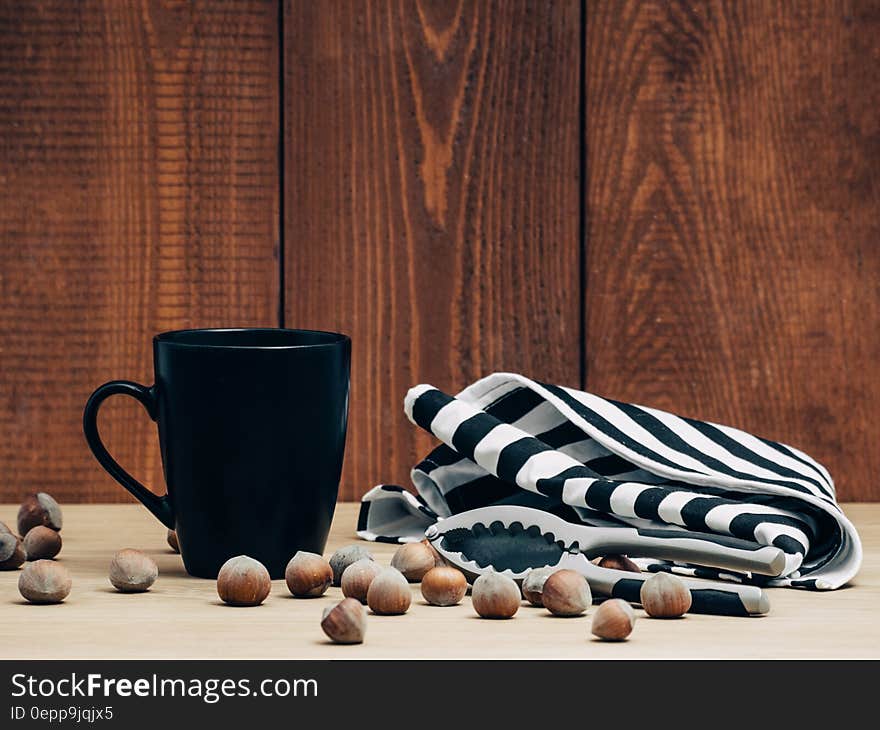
point(159, 506)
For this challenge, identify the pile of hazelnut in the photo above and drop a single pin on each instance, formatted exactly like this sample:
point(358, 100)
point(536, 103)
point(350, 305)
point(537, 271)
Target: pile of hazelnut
point(35, 546)
point(244, 581)
point(386, 590)
point(44, 580)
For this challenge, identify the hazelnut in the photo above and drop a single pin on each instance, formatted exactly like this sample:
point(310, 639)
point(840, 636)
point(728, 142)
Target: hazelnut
point(38, 509)
point(132, 572)
point(665, 596)
point(308, 575)
point(533, 584)
point(344, 557)
point(614, 620)
point(42, 543)
point(243, 581)
point(389, 593)
point(443, 586)
point(619, 562)
point(495, 596)
point(413, 559)
point(4, 528)
point(12, 553)
point(438, 558)
point(171, 537)
point(346, 622)
point(566, 593)
point(356, 578)
point(44, 581)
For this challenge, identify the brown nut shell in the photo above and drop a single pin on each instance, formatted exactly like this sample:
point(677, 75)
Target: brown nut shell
point(413, 559)
point(42, 543)
point(44, 581)
point(173, 542)
point(308, 575)
point(495, 596)
point(243, 581)
point(665, 596)
point(613, 620)
point(12, 553)
point(357, 577)
point(344, 557)
point(566, 593)
point(438, 558)
point(346, 622)
point(38, 509)
point(389, 593)
point(443, 586)
point(619, 562)
point(131, 571)
point(533, 584)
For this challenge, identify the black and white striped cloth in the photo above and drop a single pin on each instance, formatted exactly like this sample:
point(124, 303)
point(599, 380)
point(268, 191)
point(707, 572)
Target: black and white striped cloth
point(508, 439)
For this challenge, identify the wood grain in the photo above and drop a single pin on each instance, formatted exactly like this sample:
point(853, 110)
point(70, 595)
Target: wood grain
point(431, 200)
point(732, 197)
point(431, 191)
point(97, 622)
point(138, 193)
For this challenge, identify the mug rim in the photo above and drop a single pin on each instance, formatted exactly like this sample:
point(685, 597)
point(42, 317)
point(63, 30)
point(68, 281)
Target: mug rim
point(170, 337)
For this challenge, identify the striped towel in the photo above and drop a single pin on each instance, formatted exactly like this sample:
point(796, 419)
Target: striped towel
point(507, 439)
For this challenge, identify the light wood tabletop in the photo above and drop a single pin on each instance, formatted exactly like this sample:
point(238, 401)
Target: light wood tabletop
point(182, 617)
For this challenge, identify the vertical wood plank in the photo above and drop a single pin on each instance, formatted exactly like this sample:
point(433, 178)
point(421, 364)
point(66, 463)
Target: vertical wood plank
point(138, 193)
point(732, 198)
point(431, 200)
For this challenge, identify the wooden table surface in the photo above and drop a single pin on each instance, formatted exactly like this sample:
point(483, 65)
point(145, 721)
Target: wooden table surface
point(182, 617)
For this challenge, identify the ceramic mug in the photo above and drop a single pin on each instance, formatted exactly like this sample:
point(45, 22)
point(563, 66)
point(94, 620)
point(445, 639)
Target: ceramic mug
point(252, 429)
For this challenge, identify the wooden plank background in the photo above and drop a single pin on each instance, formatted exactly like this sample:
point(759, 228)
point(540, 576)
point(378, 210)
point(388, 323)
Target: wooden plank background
point(138, 155)
point(432, 201)
point(733, 198)
point(674, 203)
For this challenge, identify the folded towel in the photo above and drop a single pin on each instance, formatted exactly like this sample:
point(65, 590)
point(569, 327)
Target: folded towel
point(508, 439)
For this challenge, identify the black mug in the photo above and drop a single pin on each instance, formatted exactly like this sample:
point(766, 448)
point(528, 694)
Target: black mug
point(252, 429)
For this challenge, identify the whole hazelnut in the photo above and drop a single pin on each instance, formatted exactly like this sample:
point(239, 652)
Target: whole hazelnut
point(613, 620)
point(533, 584)
point(495, 596)
point(356, 578)
point(413, 559)
point(346, 622)
point(308, 575)
point(389, 593)
point(42, 543)
point(566, 593)
point(38, 509)
point(438, 558)
point(132, 572)
point(344, 557)
point(12, 553)
point(171, 537)
point(619, 562)
point(44, 581)
point(443, 586)
point(665, 596)
point(243, 581)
